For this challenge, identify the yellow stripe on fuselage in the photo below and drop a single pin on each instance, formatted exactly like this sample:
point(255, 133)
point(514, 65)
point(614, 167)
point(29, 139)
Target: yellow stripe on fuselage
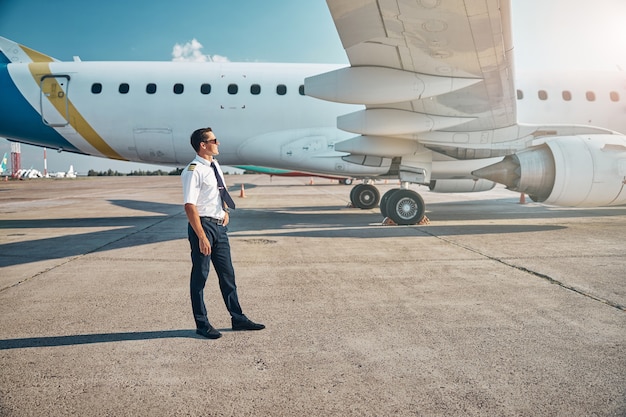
point(76, 120)
point(36, 56)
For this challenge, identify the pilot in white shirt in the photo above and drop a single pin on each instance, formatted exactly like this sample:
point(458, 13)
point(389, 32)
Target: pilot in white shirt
point(208, 216)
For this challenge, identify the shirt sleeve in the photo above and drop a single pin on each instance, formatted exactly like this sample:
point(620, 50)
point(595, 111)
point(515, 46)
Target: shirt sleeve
point(191, 186)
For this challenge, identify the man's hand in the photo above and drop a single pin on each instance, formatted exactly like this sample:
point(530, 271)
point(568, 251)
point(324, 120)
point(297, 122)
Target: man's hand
point(196, 224)
point(205, 245)
point(226, 218)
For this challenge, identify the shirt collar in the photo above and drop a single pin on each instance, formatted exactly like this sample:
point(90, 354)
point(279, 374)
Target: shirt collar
point(203, 161)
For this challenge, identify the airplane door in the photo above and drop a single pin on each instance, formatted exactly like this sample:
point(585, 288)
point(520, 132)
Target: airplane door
point(154, 145)
point(53, 100)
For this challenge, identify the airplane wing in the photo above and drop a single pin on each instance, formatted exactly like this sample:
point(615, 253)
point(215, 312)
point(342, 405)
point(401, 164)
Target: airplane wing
point(458, 51)
point(436, 78)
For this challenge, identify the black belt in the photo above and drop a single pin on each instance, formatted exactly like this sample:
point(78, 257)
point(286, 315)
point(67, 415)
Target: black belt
point(219, 222)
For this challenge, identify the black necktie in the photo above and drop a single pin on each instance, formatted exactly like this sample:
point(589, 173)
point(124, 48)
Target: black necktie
point(226, 198)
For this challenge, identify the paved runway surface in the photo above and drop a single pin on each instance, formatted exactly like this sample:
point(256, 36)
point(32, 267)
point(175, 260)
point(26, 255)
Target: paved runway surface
point(494, 309)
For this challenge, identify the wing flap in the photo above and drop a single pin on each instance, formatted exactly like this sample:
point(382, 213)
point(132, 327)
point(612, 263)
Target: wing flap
point(451, 38)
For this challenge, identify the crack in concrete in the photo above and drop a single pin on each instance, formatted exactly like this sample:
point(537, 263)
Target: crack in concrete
point(533, 273)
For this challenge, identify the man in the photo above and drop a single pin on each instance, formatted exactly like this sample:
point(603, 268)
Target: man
point(208, 204)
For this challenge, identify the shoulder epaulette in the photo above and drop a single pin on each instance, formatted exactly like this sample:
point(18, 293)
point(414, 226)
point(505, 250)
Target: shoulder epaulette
point(191, 167)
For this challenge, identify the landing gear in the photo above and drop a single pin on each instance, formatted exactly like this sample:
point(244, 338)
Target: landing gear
point(402, 206)
point(364, 196)
point(384, 200)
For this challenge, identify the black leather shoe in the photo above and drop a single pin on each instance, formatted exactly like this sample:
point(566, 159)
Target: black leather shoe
point(209, 333)
point(247, 325)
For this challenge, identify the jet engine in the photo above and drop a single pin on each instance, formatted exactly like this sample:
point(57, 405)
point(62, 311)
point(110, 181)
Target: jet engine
point(577, 171)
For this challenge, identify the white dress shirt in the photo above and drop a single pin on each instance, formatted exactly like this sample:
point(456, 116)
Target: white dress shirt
point(200, 188)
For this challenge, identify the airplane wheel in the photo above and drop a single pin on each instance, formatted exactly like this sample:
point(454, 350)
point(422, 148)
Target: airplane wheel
point(346, 181)
point(405, 207)
point(383, 201)
point(364, 196)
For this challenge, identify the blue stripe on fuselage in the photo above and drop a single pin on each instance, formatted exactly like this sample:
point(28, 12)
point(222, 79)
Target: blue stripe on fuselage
point(20, 122)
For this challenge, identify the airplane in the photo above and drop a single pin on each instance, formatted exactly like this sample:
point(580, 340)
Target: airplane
point(70, 172)
point(3, 165)
point(29, 173)
point(62, 174)
point(430, 97)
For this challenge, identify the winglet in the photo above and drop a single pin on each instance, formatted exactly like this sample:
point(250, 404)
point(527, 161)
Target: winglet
point(12, 52)
point(3, 164)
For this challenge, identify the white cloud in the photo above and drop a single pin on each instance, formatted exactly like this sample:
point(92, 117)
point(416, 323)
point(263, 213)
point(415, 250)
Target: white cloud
point(192, 52)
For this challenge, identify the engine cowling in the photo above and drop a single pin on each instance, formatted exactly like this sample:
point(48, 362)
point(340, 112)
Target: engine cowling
point(576, 171)
point(461, 186)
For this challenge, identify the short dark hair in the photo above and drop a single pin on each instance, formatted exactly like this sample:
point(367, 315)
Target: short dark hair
point(198, 136)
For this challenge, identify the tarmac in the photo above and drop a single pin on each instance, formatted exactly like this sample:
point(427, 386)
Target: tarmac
point(495, 308)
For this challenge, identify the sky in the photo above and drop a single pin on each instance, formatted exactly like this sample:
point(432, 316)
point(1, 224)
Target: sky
point(548, 34)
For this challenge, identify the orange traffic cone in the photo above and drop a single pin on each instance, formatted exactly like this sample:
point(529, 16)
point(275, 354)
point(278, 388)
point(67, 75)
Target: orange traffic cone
point(242, 193)
point(522, 198)
point(311, 181)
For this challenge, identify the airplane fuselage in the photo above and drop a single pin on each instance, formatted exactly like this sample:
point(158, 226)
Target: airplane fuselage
point(151, 108)
point(592, 98)
point(259, 111)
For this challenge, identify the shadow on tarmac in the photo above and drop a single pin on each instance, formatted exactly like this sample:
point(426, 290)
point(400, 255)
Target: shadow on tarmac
point(85, 339)
point(120, 229)
point(311, 221)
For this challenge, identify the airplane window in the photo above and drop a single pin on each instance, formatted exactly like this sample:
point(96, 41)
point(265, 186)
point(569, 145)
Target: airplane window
point(567, 95)
point(255, 89)
point(281, 89)
point(543, 95)
point(233, 88)
point(151, 88)
point(178, 88)
point(301, 90)
point(205, 88)
point(520, 94)
point(614, 96)
point(591, 96)
point(123, 88)
point(96, 88)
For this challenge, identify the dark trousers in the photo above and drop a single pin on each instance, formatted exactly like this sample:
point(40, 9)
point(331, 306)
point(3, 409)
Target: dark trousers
point(220, 257)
